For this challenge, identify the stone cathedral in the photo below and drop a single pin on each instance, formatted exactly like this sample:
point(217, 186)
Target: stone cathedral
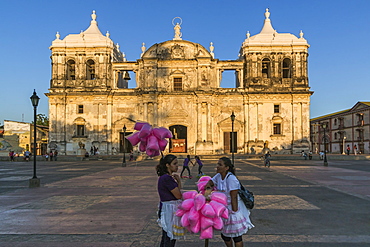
point(178, 87)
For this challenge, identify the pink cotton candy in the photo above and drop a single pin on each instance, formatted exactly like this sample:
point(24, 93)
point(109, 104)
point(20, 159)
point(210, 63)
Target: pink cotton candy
point(139, 125)
point(218, 207)
point(162, 133)
point(199, 201)
point(189, 194)
point(218, 224)
point(142, 146)
point(204, 178)
point(193, 216)
point(145, 131)
point(162, 144)
point(133, 139)
point(205, 222)
point(208, 211)
point(152, 143)
point(206, 233)
point(225, 214)
point(185, 220)
point(219, 197)
point(187, 204)
point(195, 228)
point(180, 212)
point(202, 186)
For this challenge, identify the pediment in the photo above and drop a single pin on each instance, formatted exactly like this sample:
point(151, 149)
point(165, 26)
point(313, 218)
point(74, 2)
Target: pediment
point(360, 105)
point(177, 72)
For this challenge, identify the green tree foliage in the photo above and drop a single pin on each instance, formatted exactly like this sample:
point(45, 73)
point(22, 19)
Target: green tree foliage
point(42, 119)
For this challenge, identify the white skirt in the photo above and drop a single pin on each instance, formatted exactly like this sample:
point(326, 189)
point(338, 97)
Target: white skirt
point(169, 222)
point(238, 222)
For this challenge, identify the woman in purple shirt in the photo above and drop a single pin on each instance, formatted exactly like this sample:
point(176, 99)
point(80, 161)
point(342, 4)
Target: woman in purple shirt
point(169, 186)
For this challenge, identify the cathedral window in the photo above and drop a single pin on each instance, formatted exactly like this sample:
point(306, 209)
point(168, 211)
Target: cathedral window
point(80, 109)
point(71, 70)
point(287, 68)
point(90, 70)
point(177, 84)
point(276, 108)
point(80, 130)
point(277, 129)
point(266, 68)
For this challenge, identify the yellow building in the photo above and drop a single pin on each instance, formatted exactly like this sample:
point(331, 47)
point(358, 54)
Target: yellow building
point(18, 137)
point(178, 87)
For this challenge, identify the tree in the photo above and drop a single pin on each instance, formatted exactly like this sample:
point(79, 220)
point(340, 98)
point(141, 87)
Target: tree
point(42, 119)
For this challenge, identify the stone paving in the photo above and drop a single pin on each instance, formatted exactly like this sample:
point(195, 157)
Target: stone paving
point(101, 203)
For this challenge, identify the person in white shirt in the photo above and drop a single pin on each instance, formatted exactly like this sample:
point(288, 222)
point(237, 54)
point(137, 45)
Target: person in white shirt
point(238, 222)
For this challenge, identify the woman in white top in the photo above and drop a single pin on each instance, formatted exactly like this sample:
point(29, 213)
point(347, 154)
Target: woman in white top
point(238, 222)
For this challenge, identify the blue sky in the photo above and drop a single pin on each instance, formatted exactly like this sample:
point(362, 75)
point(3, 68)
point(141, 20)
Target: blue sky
point(337, 30)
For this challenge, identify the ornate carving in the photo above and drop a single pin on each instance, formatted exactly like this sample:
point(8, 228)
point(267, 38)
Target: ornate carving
point(177, 51)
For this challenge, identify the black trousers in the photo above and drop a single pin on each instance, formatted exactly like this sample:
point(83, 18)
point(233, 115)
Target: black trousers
point(183, 169)
point(166, 241)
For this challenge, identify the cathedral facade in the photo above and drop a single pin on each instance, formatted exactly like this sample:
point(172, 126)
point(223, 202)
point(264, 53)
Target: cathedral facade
point(178, 87)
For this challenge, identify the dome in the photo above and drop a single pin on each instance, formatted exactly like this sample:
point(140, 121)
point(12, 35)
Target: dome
point(91, 37)
point(269, 36)
point(177, 49)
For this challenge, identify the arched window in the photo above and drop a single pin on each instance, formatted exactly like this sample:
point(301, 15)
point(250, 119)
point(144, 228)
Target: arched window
point(90, 70)
point(71, 70)
point(266, 68)
point(287, 68)
point(277, 125)
point(80, 128)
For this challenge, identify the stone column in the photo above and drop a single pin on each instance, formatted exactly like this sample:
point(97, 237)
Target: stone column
point(199, 122)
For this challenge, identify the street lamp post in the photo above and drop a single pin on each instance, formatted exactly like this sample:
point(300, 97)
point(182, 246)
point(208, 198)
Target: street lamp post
point(324, 125)
point(34, 181)
point(232, 136)
point(344, 143)
point(124, 146)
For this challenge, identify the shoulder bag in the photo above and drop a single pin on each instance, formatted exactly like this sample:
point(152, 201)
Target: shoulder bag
point(246, 196)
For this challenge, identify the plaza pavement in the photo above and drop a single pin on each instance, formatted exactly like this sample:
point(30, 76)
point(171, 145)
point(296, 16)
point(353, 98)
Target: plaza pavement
point(100, 203)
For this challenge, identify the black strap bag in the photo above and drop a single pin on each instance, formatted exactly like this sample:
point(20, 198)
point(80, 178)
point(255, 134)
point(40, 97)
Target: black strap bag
point(246, 196)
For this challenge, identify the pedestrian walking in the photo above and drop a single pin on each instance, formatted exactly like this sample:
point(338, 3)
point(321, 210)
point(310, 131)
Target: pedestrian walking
point(185, 166)
point(169, 191)
point(267, 157)
point(27, 155)
point(355, 149)
point(348, 149)
point(131, 155)
point(55, 155)
point(200, 165)
point(51, 154)
point(11, 155)
point(321, 155)
point(238, 222)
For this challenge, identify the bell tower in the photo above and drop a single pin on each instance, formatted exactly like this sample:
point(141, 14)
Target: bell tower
point(275, 61)
point(83, 61)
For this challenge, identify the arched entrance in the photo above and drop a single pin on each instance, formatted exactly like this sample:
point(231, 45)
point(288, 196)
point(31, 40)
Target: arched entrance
point(128, 145)
point(230, 142)
point(178, 144)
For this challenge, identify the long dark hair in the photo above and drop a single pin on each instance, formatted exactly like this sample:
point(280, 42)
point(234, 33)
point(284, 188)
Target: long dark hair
point(228, 163)
point(161, 168)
